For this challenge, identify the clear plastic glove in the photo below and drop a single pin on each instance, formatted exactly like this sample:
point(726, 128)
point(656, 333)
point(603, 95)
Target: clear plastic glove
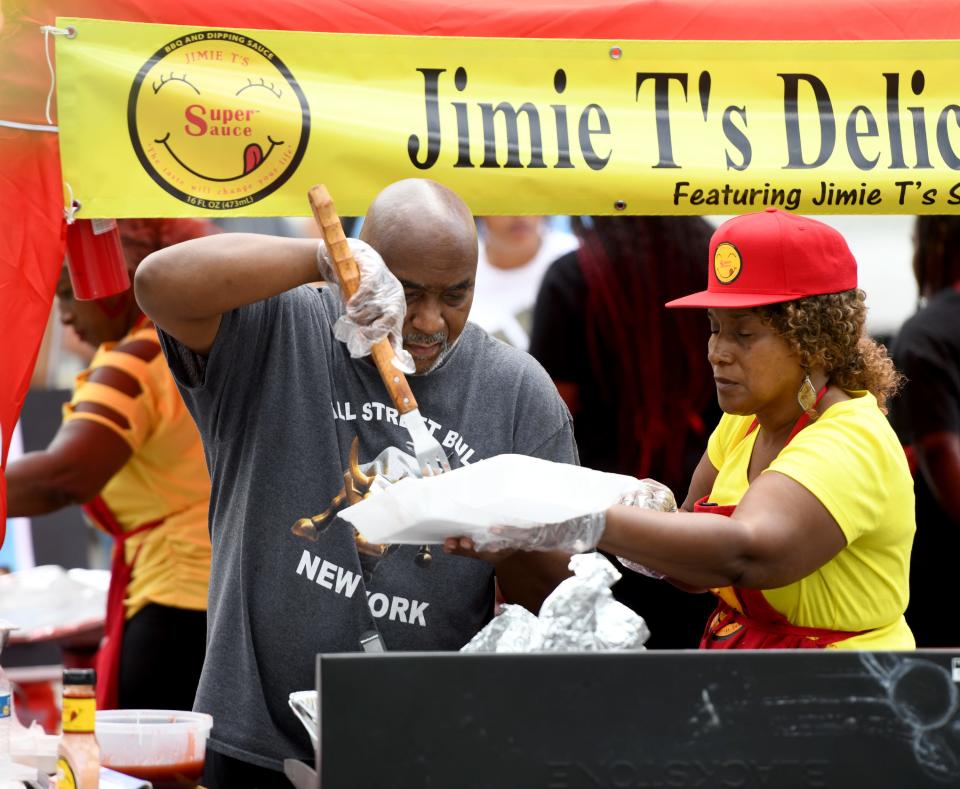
point(577, 535)
point(652, 495)
point(375, 311)
point(580, 534)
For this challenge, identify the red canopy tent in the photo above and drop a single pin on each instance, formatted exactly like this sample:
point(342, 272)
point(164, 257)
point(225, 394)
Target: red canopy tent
point(31, 201)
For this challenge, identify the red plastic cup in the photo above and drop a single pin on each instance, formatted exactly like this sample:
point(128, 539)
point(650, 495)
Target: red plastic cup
point(95, 259)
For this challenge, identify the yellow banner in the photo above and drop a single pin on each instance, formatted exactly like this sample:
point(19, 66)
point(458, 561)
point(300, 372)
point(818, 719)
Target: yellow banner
point(159, 120)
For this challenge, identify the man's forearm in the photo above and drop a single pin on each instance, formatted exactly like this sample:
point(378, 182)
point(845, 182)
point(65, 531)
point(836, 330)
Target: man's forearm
point(207, 277)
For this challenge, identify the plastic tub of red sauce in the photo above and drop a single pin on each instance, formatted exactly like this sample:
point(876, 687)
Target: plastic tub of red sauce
point(165, 747)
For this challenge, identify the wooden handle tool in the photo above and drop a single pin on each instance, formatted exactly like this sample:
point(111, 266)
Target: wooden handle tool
point(349, 274)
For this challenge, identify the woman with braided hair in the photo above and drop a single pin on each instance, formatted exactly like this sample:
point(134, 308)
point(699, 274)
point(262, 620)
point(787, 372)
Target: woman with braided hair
point(130, 453)
point(633, 373)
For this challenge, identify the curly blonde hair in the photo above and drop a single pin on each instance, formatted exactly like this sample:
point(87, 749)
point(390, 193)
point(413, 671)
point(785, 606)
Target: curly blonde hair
point(828, 331)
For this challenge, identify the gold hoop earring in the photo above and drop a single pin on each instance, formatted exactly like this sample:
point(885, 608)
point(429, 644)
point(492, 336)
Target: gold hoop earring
point(807, 398)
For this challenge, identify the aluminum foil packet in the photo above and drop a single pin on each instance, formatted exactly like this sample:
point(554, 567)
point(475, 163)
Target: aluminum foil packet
point(514, 629)
point(580, 615)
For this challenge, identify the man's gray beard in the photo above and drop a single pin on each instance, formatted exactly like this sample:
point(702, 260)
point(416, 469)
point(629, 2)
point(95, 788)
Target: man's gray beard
point(429, 339)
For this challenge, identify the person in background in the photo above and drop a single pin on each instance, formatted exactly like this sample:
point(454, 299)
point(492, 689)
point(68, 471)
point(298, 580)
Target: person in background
point(633, 374)
point(514, 254)
point(926, 417)
point(129, 451)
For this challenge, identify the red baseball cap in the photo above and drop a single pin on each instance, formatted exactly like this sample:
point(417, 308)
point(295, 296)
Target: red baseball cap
point(770, 257)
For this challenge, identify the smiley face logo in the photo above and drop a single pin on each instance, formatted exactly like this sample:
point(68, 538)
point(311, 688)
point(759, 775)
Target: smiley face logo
point(726, 262)
point(217, 120)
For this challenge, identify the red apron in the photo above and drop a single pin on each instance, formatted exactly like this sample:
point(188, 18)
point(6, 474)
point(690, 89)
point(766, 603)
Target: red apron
point(743, 619)
point(108, 656)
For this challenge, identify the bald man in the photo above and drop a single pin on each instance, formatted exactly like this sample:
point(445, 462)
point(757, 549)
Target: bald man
point(294, 428)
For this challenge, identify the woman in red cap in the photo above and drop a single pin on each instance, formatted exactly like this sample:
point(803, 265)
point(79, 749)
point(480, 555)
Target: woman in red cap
point(800, 515)
point(803, 503)
point(129, 451)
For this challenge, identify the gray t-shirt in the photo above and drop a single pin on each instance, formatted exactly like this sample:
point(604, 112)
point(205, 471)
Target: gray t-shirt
point(279, 404)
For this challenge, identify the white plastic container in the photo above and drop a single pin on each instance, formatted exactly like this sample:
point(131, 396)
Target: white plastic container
point(165, 747)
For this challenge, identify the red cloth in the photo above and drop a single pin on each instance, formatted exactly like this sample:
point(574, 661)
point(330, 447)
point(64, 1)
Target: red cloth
point(758, 625)
point(36, 700)
point(32, 240)
point(108, 656)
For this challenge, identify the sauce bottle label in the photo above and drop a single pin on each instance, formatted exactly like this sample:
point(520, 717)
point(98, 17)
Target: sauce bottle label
point(65, 779)
point(79, 715)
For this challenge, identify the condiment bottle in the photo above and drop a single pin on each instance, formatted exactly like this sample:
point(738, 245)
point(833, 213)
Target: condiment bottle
point(78, 757)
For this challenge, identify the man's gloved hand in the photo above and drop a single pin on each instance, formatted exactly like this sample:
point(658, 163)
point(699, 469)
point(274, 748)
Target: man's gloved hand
point(577, 535)
point(375, 311)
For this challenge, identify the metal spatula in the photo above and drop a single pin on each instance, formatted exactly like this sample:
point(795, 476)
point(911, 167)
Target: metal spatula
point(430, 455)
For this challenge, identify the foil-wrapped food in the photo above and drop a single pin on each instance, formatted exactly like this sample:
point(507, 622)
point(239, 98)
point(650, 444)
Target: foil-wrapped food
point(580, 615)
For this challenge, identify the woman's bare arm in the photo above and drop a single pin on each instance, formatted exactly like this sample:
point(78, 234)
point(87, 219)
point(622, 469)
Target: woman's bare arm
point(79, 462)
point(778, 534)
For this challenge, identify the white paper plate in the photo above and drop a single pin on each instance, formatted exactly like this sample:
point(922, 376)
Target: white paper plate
point(510, 490)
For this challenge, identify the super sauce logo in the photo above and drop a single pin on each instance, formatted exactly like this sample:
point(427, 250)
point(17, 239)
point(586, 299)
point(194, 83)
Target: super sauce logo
point(217, 120)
